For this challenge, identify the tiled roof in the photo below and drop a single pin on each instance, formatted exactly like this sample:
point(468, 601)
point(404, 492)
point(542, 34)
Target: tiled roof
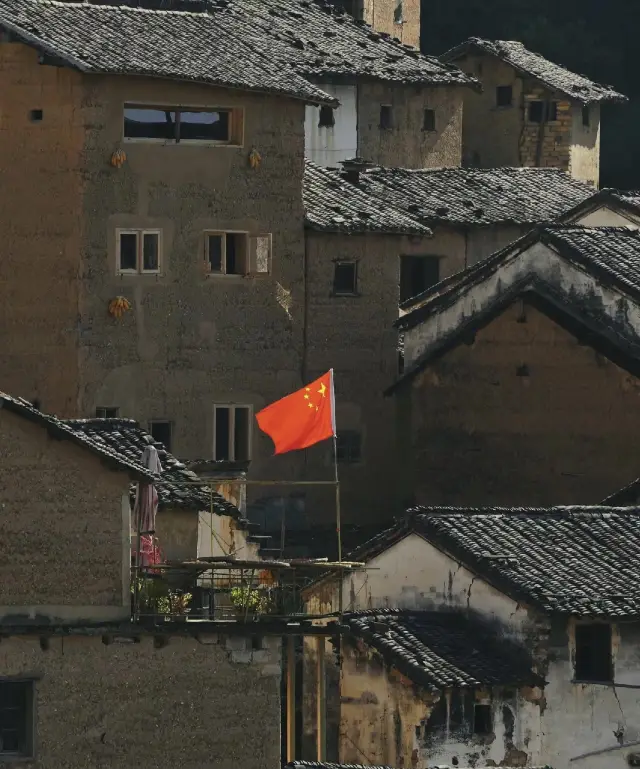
point(583, 561)
point(610, 253)
point(276, 46)
point(476, 196)
point(179, 486)
point(441, 649)
point(536, 66)
point(625, 200)
point(333, 204)
point(61, 430)
point(329, 765)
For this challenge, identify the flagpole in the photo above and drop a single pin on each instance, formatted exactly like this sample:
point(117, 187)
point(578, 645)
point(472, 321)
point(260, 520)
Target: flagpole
point(337, 481)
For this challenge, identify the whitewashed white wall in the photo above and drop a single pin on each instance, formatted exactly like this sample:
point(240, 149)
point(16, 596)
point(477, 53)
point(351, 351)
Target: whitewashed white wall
point(329, 146)
point(607, 217)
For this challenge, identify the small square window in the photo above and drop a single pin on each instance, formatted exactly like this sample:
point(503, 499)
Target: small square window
point(107, 412)
point(160, 430)
point(226, 253)
point(386, 116)
point(504, 96)
point(36, 115)
point(349, 447)
point(16, 718)
point(482, 719)
point(327, 117)
point(232, 433)
point(593, 656)
point(345, 278)
point(586, 116)
point(543, 112)
point(429, 120)
point(138, 251)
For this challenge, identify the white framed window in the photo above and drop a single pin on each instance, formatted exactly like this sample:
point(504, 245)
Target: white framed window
point(237, 253)
point(232, 432)
point(138, 252)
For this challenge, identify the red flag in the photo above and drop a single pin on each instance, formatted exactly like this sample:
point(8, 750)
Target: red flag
point(303, 418)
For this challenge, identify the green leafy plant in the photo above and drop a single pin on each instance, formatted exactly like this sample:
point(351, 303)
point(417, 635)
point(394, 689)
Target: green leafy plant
point(250, 599)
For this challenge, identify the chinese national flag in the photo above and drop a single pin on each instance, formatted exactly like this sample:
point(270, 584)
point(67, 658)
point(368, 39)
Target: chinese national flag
point(301, 419)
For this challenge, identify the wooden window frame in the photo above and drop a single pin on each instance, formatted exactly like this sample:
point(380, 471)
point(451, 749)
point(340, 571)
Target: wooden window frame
point(139, 233)
point(232, 407)
point(250, 252)
point(236, 125)
point(108, 408)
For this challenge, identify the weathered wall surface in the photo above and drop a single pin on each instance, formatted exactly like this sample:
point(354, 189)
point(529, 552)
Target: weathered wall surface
point(63, 527)
point(486, 430)
point(186, 704)
point(407, 144)
point(546, 144)
point(398, 18)
point(606, 217)
point(330, 145)
point(484, 241)
point(41, 171)
point(584, 162)
point(177, 533)
point(190, 340)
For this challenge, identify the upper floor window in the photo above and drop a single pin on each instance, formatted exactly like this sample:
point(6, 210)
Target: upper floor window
point(237, 253)
point(349, 447)
point(107, 412)
point(586, 116)
point(138, 251)
point(504, 96)
point(160, 430)
point(327, 117)
point(429, 120)
point(182, 124)
point(16, 719)
point(542, 111)
point(386, 116)
point(232, 432)
point(593, 652)
point(398, 13)
point(345, 278)
point(417, 274)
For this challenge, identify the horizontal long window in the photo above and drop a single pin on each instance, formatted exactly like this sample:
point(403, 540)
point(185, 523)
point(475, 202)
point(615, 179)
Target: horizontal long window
point(172, 124)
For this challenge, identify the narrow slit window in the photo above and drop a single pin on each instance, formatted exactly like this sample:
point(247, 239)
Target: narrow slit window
point(327, 117)
point(586, 116)
point(482, 719)
point(232, 433)
point(504, 96)
point(138, 251)
point(593, 654)
point(345, 278)
point(429, 120)
point(386, 116)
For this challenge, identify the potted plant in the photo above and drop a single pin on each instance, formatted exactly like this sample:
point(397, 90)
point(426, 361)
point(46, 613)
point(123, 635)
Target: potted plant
point(175, 605)
point(249, 601)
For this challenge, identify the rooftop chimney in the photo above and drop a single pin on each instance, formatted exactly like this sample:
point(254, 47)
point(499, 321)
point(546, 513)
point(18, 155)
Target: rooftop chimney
point(352, 167)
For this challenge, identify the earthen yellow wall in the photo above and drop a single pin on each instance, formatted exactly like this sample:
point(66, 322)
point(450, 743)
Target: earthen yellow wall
point(381, 15)
point(482, 435)
point(62, 526)
point(41, 166)
point(131, 704)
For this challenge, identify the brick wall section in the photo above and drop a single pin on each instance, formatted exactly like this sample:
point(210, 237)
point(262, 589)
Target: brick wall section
point(407, 145)
point(482, 435)
point(41, 171)
point(61, 522)
point(183, 705)
point(546, 144)
point(382, 14)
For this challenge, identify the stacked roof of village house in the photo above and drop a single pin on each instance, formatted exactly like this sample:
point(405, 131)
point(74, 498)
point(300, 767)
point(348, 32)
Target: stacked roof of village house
point(456, 197)
point(276, 46)
point(530, 64)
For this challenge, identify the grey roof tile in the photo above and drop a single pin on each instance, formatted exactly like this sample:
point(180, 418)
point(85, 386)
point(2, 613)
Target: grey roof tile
point(329, 765)
point(441, 649)
point(62, 430)
point(265, 45)
point(563, 560)
point(554, 76)
point(333, 204)
point(476, 196)
point(179, 487)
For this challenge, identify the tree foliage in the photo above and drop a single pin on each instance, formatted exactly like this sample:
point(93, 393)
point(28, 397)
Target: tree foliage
point(592, 37)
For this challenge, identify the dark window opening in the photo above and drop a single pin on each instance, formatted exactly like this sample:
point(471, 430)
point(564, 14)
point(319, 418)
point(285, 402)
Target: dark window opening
point(398, 13)
point(171, 124)
point(482, 719)
point(504, 96)
point(353, 7)
point(128, 251)
point(232, 433)
point(327, 117)
point(417, 274)
point(586, 116)
point(36, 115)
point(226, 253)
point(345, 278)
point(107, 412)
point(543, 112)
point(386, 116)
point(593, 658)
point(161, 432)
point(232, 254)
point(16, 718)
point(214, 252)
point(150, 252)
point(429, 120)
point(349, 447)
point(139, 251)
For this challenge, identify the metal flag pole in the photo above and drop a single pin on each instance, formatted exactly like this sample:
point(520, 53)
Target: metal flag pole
point(337, 482)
